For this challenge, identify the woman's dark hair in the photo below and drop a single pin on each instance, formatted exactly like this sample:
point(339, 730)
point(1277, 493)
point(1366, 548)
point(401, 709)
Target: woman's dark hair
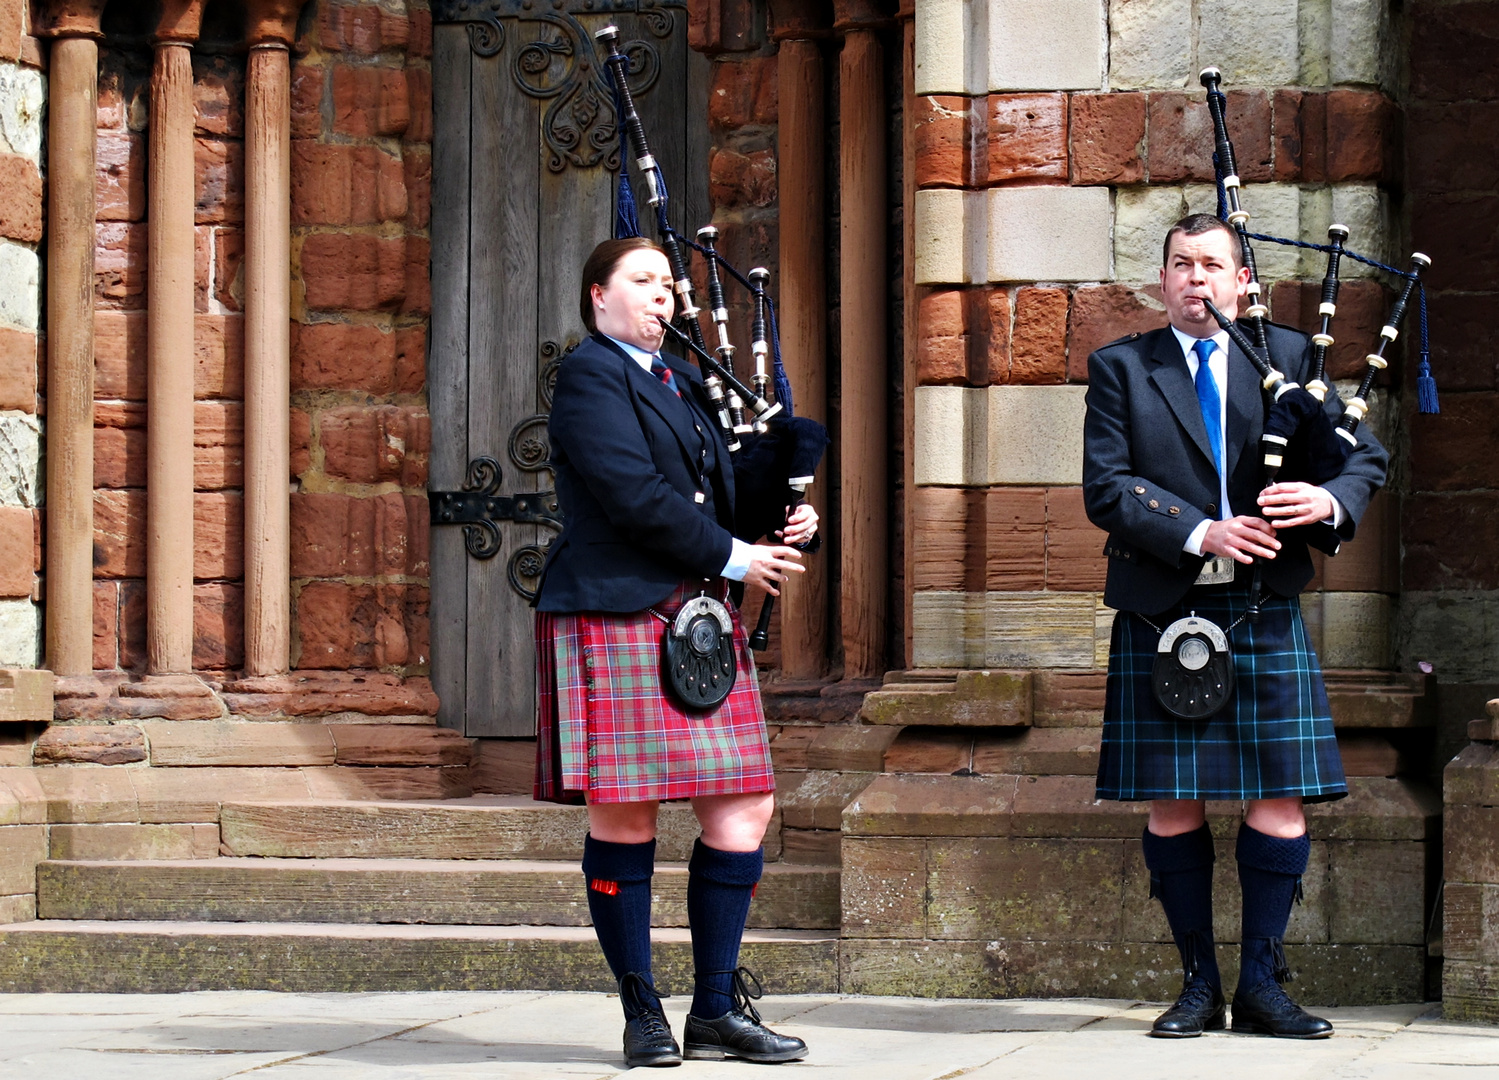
point(600, 268)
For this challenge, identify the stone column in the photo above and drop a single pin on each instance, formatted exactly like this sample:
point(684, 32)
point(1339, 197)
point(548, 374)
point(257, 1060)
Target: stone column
point(169, 346)
point(72, 103)
point(907, 16)
point(803, 305)
point(862, 303)
point(267, 345)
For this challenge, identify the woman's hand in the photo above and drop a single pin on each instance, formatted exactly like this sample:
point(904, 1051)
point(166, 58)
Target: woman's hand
point(769, 565)
point(801, 525)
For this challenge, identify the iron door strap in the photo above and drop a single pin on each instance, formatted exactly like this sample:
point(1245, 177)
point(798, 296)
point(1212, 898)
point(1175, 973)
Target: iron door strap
point(479, 509)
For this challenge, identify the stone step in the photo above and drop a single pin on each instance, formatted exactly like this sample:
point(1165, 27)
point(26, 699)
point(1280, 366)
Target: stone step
point(478, 827)
point(458, 892)
point(55, 955)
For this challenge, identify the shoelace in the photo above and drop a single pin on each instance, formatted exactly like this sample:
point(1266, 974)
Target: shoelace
point(739, 991)
point(1196, 994)
point(633, 988)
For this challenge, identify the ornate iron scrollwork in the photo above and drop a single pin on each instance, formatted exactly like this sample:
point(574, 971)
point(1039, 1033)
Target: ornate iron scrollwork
point(562, 66)
point(479, 509)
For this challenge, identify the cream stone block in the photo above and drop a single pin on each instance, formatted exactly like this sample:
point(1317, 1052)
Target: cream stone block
point(1383, 416)
point(1035, 434)
point(1356, 630)
point(1253, 42)
point(1366, 211)
point(1049, 233)
point(1141, 217)
point(1311, 618)
point(946, 60)
point(947, 630)
point(22, 106)
point(1103, 629)
point(20, 908)
point(1046, 44)
point(20, 634)
point(1356, 49)
point(1458, 634)
point(950, 232)
point(1150, 44)
point(1314, 25)
point(1040, 629)
point(20, 282)
point(20, 459)
point(21, 848)
point(950, 444)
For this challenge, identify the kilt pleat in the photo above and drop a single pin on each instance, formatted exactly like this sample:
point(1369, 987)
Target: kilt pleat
point(606, 729)
point(1273, 739)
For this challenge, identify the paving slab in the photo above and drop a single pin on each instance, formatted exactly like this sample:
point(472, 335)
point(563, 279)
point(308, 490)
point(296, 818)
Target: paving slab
point(576, 1036)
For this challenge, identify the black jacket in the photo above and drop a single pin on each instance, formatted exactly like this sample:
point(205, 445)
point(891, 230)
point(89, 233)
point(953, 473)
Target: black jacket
point(1149, 477)
point(632, 461)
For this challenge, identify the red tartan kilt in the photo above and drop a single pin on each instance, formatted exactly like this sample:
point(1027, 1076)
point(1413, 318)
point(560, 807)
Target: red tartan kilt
point(607, 730)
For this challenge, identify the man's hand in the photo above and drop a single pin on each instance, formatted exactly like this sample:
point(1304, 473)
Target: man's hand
point(1241, 538)
point(1289, 505)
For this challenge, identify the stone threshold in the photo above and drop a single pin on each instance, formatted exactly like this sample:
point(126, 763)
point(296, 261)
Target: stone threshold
point(118, 695)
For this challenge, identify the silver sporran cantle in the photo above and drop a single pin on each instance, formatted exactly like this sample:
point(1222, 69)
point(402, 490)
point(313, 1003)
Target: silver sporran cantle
point(697, 654)
point(1193, 675)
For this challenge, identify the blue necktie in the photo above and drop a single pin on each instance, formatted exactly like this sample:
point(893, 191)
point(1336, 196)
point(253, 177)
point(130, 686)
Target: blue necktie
point(662, 372)
point(1207, 401)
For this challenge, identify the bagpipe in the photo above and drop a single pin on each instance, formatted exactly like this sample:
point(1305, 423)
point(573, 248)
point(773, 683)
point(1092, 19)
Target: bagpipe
point(1301, 441)
point(774, 452)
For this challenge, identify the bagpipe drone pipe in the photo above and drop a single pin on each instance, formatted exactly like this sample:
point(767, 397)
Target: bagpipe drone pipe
point(1301, 441)
point(774, 452)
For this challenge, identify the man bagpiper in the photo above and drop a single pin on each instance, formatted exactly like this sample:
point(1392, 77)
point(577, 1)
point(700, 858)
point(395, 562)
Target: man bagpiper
point(1172, 472)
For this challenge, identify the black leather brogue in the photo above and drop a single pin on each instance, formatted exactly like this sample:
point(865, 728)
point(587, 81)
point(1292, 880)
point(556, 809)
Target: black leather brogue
point(1268, 1010)
point(1198, 1008)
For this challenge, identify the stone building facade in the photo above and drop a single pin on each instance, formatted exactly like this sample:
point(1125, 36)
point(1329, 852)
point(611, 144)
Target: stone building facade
point(958, 202)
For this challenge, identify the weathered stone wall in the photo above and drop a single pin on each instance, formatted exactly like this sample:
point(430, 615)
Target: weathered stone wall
point(361, 181)
point(22, 109)
point(1055, 143)
point(1470, 923)
point(1449, 609)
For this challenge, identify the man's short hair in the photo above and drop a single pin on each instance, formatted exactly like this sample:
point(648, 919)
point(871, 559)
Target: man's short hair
point(1196, 225)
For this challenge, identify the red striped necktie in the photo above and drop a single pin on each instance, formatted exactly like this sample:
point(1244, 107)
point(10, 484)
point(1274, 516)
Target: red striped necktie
point(662, 372)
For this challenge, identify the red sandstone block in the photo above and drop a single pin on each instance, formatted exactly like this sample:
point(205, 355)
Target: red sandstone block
point(106, 624)
point(332, 535)
point(362, 29)
point(1461, 234)
point(942, 347)
point(1355, 328)
point(12, 30)
point(420, 45)
point(1440, 147)
point(335, 184)
point(218, 95)
point(120, 264)
point(307, 82)
point(218, 535)
point(990, 329)
point(132, 622)
point(1015, 539)
point(1300, 136)
point(418, 536)
point(941, 553)
point(1038, 345)
point(228, 261)
point(119, 533)
point(1027, 137)
point(738, 180)
point(342, 356)
point(20, 199)
point(301, 442)
point(1360, 128)
point(357, 272)
point(202, 267)
point(743, 92)
point(417, 624)
point(1074, 545)
point(1107, 138)
point(120, 176)
point(371, 100)
point(1449, 541)
point(219, 168)
point(1470, 340)
point(1249, 128)
point(1180, 136)
point(1102, 313)
point(944, 152)
point(218, 445)
point(19, 360)
point(417, 176)
point(17, 551)
point(120, 414)
point(411, 359)
point(391, 534)
point(119, 457)
point(418, 448)
point(218, 626)
point(351, 626)
point(120, 355)
point(219, 356)
point(1452, 50)
point(1457, 450)
point(419, 91)
point(418, 282)
point(371, 445)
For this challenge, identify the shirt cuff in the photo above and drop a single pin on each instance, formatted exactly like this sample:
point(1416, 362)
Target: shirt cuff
point(1193, 546)
point(739, 560)
point(1339, 515)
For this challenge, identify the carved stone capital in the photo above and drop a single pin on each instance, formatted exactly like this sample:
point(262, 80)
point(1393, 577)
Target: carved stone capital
point(180, 22)
point(272, 22)
point(71, 18)
point(795, 19)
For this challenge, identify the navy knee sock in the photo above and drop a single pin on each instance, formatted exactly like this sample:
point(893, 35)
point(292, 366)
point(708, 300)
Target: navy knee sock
point(1270, 869)
point(1181, 876)
point(619, 900)
point(719, 887)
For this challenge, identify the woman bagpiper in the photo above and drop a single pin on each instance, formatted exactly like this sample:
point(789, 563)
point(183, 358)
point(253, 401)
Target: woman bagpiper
point(647, 494)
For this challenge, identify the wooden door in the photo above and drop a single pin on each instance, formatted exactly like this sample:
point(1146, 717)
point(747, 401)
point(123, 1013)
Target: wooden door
point(524, 142)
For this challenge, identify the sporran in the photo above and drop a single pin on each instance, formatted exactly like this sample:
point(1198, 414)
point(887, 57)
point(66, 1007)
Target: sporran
point(698, 666)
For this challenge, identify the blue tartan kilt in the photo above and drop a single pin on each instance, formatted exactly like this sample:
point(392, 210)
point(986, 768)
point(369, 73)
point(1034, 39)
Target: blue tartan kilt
point(1273, 739)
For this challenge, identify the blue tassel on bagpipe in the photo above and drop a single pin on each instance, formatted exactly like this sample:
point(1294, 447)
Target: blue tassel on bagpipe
point(626, 217)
